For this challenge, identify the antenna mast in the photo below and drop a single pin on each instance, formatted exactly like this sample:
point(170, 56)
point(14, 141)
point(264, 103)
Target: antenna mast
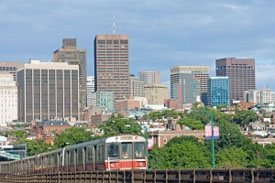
point(114, 24)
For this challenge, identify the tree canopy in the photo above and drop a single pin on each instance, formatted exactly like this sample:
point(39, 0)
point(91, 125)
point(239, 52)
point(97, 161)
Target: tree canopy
point(120, 125)
point(72, 136)
point(191, 123)
point(244, 117)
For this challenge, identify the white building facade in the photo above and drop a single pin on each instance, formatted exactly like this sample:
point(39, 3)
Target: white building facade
point(8, 98)
point(264, 96)
point(91, 95)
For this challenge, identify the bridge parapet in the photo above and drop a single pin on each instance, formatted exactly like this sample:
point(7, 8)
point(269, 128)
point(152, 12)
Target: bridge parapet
point(149, 176)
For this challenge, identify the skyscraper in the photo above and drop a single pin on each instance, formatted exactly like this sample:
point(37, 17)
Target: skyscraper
point(190, 88)
point(90, 90)
point(219, 91)
point(48, 90)
point(136, 87)
point(241, 73)
point(149, 77)
point(73, 56)
point(156, 93)
point(199, 72)
point(8, 98)
point(112, 64)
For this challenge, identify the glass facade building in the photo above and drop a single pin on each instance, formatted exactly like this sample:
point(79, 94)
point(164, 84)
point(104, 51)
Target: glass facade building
point(219, 91)
point(48, 90)
point(105, 100)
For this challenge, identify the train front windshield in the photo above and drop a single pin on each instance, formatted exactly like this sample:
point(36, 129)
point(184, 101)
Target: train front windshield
point(127, 150)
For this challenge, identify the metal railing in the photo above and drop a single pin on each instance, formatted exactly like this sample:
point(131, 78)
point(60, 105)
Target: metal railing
point(149, 176)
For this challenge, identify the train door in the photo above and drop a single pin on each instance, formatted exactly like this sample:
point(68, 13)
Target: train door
point(112, 156)
point(126, 155)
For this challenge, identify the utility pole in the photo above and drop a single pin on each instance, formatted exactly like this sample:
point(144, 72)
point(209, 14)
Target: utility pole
point(212, 141)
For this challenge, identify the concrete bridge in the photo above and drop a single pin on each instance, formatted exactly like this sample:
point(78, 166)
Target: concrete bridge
point(148, 176)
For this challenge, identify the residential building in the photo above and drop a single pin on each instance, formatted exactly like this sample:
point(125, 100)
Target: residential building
point(156, 93)
point(149, 77)
point(73, 56)
point(11, 67)
point(48, 90)
point(128, 104)
point(112, 65)
point(105, 100)
point(136, 87)
point(200, 72)
point(190, 88)
point(219, 91)
point(241, 73)
point(8, 98)
point(90, 90)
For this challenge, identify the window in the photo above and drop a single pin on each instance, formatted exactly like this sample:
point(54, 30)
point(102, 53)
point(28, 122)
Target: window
point(123, 41)
point(113, 150)
point(89, 154)
point(126, 150)
point(80, 156)
point(71, 157)
point(139, 150)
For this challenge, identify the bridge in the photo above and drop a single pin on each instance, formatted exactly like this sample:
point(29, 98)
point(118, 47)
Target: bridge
point(149, 176)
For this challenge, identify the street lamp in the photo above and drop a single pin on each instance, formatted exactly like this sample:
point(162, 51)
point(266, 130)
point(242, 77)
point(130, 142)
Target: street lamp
point(211, 114)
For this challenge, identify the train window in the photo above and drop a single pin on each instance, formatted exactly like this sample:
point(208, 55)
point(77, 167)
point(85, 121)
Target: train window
point(113, 150)
point(98, 153)
point(55, 159)
point(80, 156)
point(139, 150)
point(60, 159)
point(71, 157)
point(126, 150)
point(89, 154)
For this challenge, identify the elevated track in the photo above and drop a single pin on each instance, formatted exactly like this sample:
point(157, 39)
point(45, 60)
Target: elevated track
point(148, 176)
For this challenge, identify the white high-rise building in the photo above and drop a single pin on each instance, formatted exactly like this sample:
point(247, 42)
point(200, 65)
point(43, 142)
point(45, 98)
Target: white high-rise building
point(91, 96)
point(8, 98)
point(264, 96)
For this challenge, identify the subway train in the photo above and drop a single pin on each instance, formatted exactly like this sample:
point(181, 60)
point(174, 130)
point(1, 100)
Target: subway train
point(122, 152)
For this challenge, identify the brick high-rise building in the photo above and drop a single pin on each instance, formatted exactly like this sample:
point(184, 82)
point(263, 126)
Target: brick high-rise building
point(200, 72)
point(112, 64)
point(48, 90)
point(73, 56)
point(149, 77)
point(241, 73)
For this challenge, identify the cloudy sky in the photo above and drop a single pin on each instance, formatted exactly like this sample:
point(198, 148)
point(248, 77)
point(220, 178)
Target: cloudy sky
point(163, 33)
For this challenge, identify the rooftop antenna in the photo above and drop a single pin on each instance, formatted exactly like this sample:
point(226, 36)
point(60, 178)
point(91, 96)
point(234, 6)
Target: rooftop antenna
point(114, 24)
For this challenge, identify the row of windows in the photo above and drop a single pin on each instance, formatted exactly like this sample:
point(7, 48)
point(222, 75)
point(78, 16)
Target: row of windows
point(112, 41)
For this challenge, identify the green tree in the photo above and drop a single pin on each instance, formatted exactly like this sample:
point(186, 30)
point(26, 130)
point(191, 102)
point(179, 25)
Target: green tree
point(20, 134)
point(119, 125)
point(73, 136)
point(269, 156)
point(232, 157)
point(244, 117)
point(186, 154)
point(191, 123)
point(36, 146)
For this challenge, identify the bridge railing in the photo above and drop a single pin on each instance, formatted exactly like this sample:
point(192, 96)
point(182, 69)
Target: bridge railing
point(149, 176)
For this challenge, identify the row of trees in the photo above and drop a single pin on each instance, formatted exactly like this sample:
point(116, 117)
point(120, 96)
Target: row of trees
point(233, 149)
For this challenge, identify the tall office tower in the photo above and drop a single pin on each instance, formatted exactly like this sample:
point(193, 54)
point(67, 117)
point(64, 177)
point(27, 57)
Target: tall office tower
point(219, 91)
point(190, 88)
point(112, 65)
point(8, 98)
point(149, 77)
point(241, 73)
point(136, 87)
point(200, 72)
point(156, 93)
point(48, 90)
point(11, 67)
point(73, 56)
point(90, 90)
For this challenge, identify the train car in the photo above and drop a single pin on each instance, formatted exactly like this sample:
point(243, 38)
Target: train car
point(122, 152)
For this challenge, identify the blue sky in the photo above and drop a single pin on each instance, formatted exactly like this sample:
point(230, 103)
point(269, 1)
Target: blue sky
point(163, 33)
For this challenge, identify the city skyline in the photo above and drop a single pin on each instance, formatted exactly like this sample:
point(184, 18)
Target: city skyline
point(183, 34)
